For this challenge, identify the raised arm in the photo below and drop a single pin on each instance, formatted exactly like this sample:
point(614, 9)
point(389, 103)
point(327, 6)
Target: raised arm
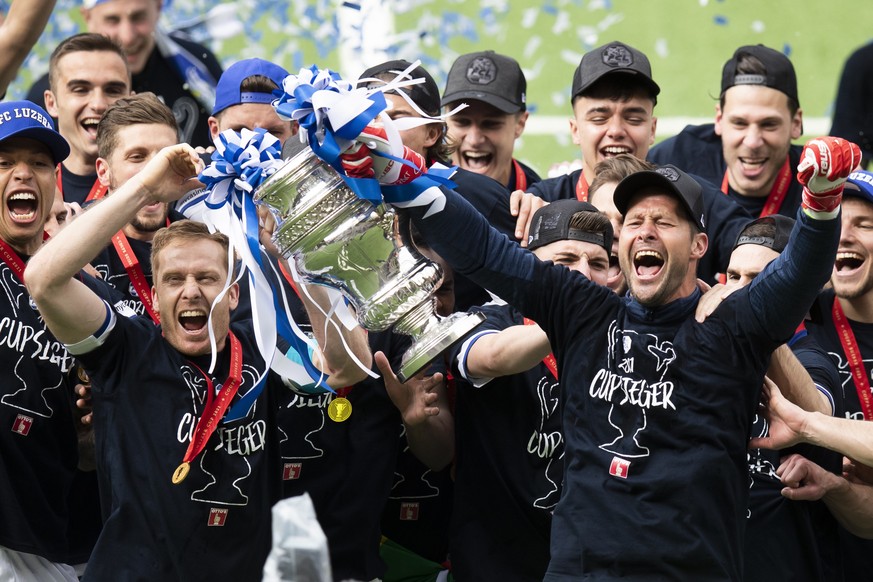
point(782, 294)
point(20, 30)
point(787, 371)
point(71, 310)
point(512, 350)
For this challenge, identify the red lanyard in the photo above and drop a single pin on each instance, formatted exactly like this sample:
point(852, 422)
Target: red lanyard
point(97, 192)
point(582, 188)
point(135, 273)
point(215, 407)
point(12, 260)
point(853, 355)
point(549, 360)
point(777, 192)
point(520, 178)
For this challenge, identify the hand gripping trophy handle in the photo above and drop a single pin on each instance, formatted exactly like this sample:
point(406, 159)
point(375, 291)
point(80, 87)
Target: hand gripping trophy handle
point(339, 240)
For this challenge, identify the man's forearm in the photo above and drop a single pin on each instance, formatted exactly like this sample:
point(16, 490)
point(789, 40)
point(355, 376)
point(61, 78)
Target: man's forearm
point(795, 382)
point(852, 506)
point(20, 30)
point(853, 438)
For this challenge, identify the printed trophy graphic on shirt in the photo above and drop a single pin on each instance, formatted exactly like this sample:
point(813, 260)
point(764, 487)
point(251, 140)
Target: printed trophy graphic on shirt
point(637, 356)
point(337, 239)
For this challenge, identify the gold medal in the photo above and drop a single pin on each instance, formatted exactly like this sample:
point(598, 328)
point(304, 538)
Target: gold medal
point(83, 375)
point(339, 409)
point(181, 473)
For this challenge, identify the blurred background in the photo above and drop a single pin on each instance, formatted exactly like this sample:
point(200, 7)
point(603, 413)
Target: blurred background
point(687, 42)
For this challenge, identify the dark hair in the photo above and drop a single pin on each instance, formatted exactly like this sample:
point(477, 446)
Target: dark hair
point(618, 87)
point(180, 232)
point(759, 230)
point(588, 221)
point(614, 170)
point(143, 108)
point(748, 64)
point(78, 43)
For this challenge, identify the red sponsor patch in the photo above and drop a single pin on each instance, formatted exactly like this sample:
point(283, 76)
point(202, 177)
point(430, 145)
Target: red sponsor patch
point(22, 424)
point(619, 467)
point(291, 471)
point(409, 511)
point(217, 517)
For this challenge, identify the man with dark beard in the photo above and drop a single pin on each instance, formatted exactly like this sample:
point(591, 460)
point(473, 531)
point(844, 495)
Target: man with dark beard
point(128, 136)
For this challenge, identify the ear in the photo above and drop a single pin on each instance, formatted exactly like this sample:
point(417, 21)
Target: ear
point(654, 130)
point(574, 130)
point(156, 305)
point(718, 119)
point(103, 173)
point(797, 124)
point(434, 133)
point(699, 244)
point(212, 122)
point(51, 105)
point(519, 124)
point(233, 296)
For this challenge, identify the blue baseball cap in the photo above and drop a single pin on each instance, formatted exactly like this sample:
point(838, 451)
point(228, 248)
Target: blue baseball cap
point(860, 185)
point(27, 119)
point(227, 92)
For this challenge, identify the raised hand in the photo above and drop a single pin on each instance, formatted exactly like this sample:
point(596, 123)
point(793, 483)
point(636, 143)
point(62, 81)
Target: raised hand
point(824, 165)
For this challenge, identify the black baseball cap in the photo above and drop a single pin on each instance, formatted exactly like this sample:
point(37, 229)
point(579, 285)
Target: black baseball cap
point(552, 223)
point(779, 73)
point(613, 57)
point(489, 77)
point(426, 95)
point(669, 178)
point(777, 242)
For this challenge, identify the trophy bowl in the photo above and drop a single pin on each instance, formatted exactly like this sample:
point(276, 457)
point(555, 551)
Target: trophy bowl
point(337, 239)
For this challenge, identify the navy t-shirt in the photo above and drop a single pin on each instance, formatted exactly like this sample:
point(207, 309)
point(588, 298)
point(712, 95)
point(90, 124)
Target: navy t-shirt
point(75, 187)
point(657, 408)
point(724, 219)
point(857, 553)
point(698, 150)
point(509, 466)
point(147, 400)
point(791, 540)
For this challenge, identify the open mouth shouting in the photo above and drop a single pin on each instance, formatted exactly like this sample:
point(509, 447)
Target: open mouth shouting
point(648, 264)
point(752, 166)
point(90, 126)
point(193, 321)
point(477, 161)
point(614, 150)
point(22, 207)
point(847, 263)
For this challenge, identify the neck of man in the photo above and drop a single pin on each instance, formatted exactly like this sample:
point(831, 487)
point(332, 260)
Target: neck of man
point(859, 308)
point(80, 163)
point(26, 247)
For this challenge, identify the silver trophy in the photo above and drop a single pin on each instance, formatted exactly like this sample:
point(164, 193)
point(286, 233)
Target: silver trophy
point(339, 240)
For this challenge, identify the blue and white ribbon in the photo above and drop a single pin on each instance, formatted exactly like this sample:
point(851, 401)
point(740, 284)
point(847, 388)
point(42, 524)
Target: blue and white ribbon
point(332, 114)
point(191, 71)
point(241, 162)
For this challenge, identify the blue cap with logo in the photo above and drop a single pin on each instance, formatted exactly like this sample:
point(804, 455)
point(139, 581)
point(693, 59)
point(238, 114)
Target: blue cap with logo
point(860, 185)
point(27, 119)
point(228, 93)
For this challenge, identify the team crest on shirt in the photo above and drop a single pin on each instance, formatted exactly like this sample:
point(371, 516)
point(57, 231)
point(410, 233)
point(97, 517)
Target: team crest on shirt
point(633, 382)
point(481, 71)
point(617, 56)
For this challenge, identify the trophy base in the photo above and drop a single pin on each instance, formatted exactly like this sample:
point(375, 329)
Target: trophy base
point(436, 340)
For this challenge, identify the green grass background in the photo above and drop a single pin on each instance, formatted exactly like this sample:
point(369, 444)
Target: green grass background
point(687, 42)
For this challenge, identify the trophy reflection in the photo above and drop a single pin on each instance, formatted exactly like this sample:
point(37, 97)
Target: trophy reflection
point(339, 240)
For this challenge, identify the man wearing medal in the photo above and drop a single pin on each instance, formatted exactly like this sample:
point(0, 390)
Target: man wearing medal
point(87, 74)
point(842, 322)
point(748, 150)
point(185, 484)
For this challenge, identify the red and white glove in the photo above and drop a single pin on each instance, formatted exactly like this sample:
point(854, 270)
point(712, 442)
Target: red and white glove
point(357, 162)
point(824, 165)
point(389, 172)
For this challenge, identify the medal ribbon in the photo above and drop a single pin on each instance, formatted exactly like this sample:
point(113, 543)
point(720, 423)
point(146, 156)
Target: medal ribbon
point(853, 355)
point(12, 260)
point(549, 360)
point(215, 407)
point(520, 178)
point(135, 273)
point(97, 192)
point(582, 188)
point(777, 192)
